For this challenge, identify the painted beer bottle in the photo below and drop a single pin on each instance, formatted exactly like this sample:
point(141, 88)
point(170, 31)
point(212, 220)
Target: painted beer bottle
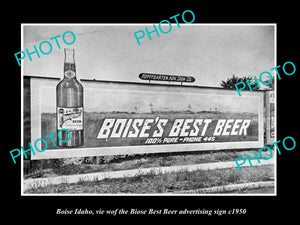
point(69, 104)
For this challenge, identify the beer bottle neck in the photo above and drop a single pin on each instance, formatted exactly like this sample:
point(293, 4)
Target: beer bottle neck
point(69, 63)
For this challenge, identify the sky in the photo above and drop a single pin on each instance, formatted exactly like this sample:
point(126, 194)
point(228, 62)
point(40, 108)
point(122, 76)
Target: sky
point(209, 52)
point(108, 99)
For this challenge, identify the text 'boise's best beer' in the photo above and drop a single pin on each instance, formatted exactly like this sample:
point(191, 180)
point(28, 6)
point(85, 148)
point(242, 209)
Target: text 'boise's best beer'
point(69, 103)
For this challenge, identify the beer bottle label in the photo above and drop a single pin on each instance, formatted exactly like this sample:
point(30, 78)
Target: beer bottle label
point(70, 118)
point(69, 74)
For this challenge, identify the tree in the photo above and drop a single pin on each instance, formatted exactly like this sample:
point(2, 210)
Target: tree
point(271, 85)
point(230, 83)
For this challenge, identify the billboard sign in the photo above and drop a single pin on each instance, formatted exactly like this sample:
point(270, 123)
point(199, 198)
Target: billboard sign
point(135, 118)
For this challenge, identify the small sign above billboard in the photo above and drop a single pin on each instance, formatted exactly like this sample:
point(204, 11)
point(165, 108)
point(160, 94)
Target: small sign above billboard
point(164, 77)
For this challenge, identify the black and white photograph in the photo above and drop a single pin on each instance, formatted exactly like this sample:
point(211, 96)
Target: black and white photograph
point(98, 128)
point(142, 110)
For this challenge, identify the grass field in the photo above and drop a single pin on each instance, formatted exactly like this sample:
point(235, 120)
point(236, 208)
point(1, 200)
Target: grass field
point(151, 182)
point(163, 182)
